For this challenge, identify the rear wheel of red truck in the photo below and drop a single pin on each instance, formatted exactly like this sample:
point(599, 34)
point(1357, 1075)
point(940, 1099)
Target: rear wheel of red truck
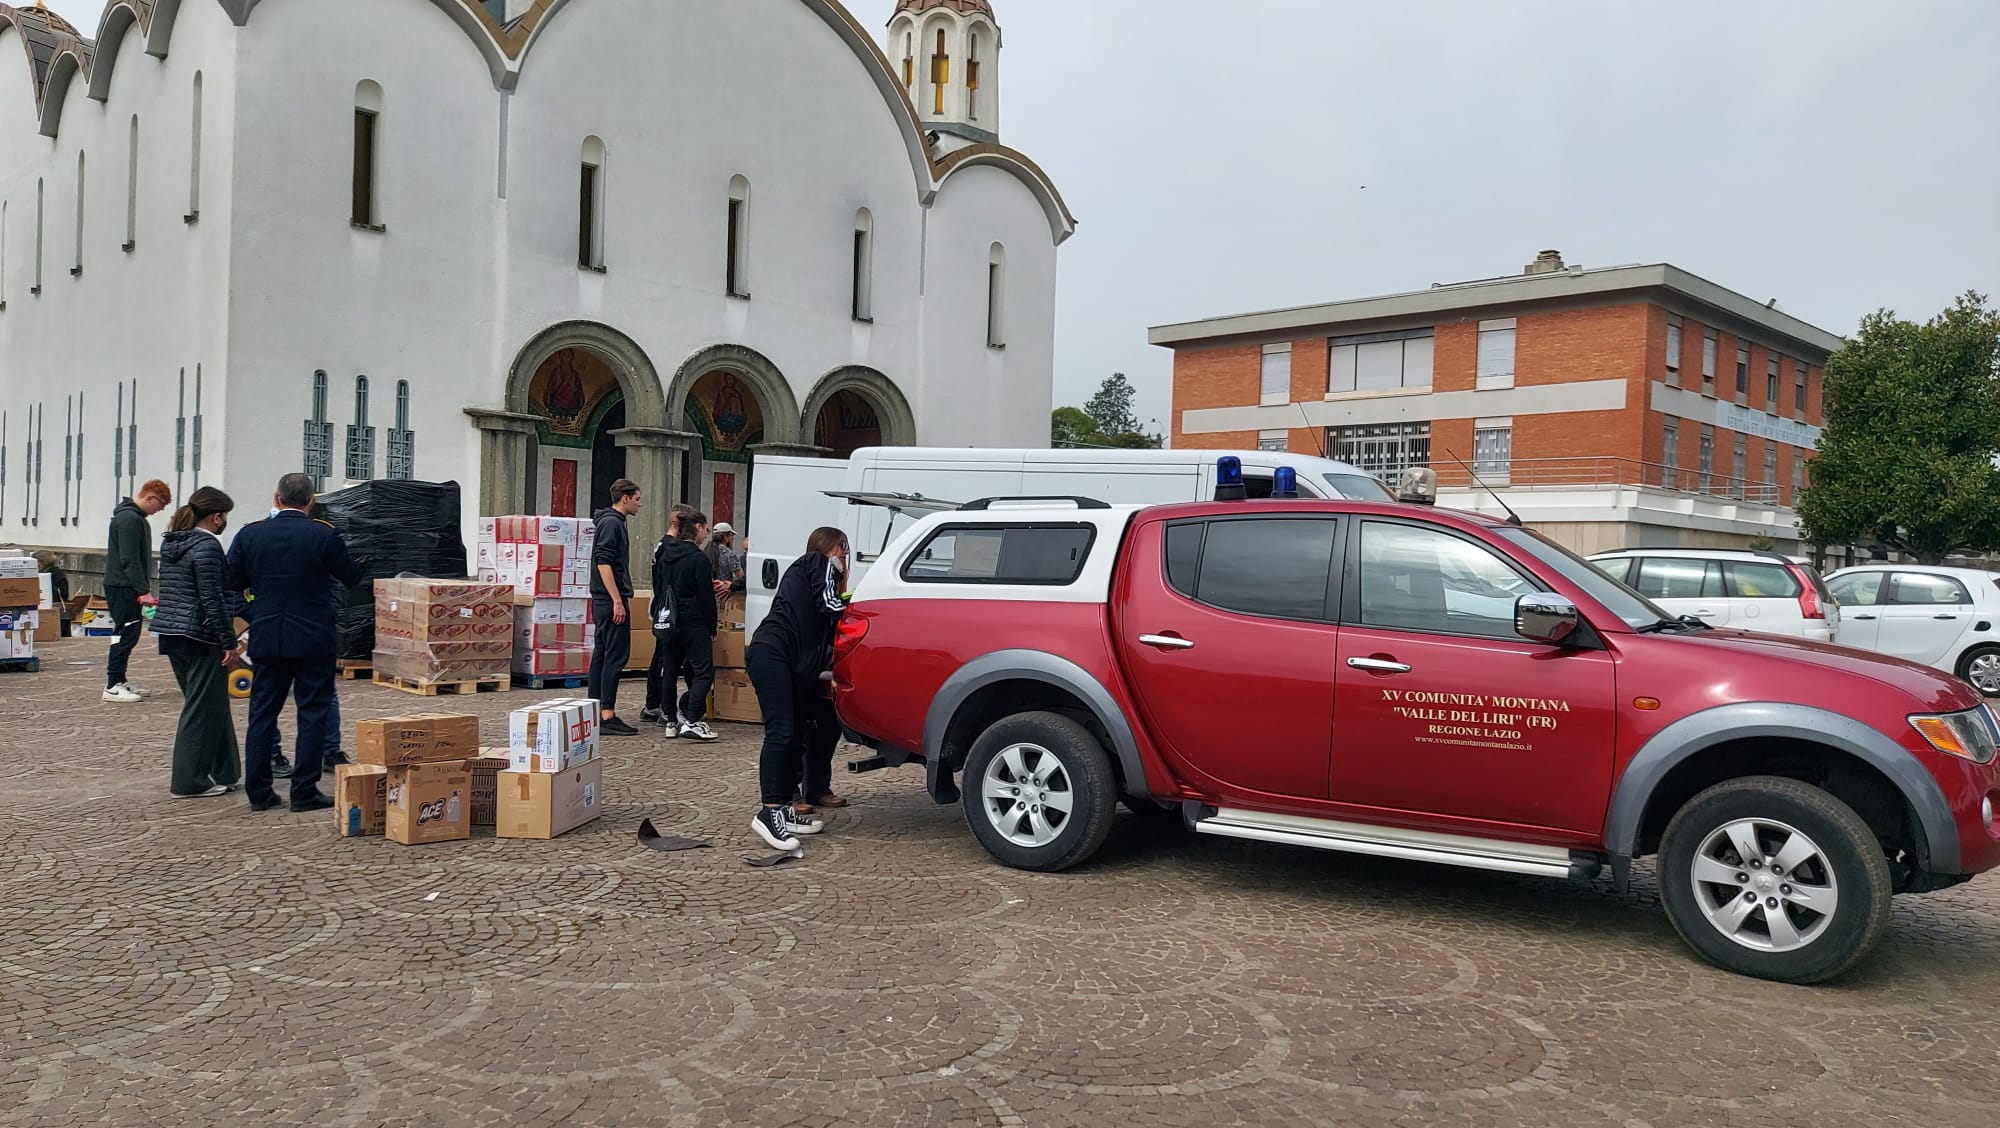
point(1039, 792)
point(1774, 878)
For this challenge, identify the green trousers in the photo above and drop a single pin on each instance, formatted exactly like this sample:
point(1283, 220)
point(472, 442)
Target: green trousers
point(205, 751)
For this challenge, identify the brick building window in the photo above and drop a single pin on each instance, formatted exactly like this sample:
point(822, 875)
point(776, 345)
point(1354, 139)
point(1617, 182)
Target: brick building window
point(1272, 440)
point(1739, 466)
point(1799, 401)
point(1798, 475)
point(1771, 384)
point(1379, 362)
point(1771, 474)
point(1674, 349)
point(1496, 353)
point(1493, 449)
point(1382, 449)
point(1707, 459)
point(1275, 385)
point(1742, 370)
point(1670, 455)
point(1708, 361)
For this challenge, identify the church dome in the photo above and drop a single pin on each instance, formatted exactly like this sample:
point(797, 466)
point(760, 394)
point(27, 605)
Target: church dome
point(51, 20)
point(965, 7)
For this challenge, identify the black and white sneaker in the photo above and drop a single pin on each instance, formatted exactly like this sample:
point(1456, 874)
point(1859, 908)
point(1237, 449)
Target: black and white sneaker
point(798, 823)
point(653, 716)
point(697, 730)
point(772, 826)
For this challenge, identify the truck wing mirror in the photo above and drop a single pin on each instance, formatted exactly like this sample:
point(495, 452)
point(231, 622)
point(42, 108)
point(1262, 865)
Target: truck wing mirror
point(1551, 619)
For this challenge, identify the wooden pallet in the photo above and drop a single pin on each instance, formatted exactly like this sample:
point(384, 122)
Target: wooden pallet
point(20, 665)
point(533, 681)
point(443, 688)
point(355, 669)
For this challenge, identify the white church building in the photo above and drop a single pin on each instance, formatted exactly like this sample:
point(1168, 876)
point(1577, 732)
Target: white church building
point(527, 245)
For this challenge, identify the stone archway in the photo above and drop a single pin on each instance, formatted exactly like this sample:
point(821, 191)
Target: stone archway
point(646, 406)
point(893, 423)
point(733, 402)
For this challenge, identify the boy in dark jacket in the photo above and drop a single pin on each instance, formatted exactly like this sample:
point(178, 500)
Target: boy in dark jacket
point(610, 588)
point(128, 583)
point(684, 621)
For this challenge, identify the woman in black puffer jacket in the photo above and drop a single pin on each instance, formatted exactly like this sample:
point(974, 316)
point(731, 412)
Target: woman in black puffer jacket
point(197, 634)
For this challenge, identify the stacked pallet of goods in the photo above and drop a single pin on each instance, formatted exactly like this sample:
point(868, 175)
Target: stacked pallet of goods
point(443, 636)
point(546, 563)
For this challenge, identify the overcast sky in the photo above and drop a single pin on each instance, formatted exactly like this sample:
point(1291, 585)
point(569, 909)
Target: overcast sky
point(1231, 155)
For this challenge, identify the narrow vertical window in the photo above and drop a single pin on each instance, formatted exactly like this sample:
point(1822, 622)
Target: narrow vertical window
point(360, 436)
point(132, 444)
point(1670, 455)
point(196, 460)
point(367, 113)
point(132, 187)
point(3, 258)
point(736, 273)
point(318, 449)
point(996, 298)
point(1742, 370)
point(1674, 349)
point(940, 75)
point(864, 266)
point(1496, 354)
point(180, 434)
point(69, 453)
point(402, 441)
point(1275, 378)
point(1799, 399)
point(972, 79)
point(1708, 361)
point(3, 467)
point(118, 448)
point(194, 157)
point(41, 204)
point(590, 207)
point(909, 59)
point(81, 431)
point(76, 265)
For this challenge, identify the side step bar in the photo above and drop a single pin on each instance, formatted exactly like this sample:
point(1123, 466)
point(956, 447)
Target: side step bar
point(1393, 842)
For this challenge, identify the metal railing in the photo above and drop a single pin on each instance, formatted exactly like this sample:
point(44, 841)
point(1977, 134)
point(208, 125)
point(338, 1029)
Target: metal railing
point(1550, 473)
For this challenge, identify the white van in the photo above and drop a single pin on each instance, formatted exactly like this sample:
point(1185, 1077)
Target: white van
point(879, 491)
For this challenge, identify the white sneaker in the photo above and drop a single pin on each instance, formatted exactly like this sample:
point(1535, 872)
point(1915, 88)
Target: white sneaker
point(770, 825)
point(697, 730)
point(798, 823)
point(121, 694)
point(143, 693)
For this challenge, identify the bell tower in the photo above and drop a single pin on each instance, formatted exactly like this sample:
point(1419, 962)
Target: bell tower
point(947, 55)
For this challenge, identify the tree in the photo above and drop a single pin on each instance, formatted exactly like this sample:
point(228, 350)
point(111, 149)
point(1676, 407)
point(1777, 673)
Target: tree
point(1071, 427)
point(1913, 423)
point(1111, 407)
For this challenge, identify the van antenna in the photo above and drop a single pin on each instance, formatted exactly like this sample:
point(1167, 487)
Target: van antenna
point(1318, 442)
point(1513, 518)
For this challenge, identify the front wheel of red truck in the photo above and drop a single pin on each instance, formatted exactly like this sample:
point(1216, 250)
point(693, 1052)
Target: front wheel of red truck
point(1774, 878)
point(1039, 792)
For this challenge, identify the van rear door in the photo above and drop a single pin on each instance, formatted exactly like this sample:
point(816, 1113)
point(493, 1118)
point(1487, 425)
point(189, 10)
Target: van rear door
point(788, 501)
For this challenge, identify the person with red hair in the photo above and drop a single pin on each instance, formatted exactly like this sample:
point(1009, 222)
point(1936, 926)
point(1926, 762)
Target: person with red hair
point(128, 583)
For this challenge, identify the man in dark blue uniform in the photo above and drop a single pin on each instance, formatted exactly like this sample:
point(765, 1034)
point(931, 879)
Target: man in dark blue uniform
point(291, 562)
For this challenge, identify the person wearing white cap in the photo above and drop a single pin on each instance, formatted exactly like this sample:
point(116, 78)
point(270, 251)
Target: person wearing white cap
point(723, 559)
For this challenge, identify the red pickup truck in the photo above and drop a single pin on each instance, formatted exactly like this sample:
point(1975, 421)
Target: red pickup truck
point(1409, 682)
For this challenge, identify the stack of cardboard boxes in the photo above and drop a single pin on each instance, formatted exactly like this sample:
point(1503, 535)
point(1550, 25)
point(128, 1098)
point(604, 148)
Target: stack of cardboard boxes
point(20, 603)
point(546, 561)
point(434, 631)
point(735, 699)
point(553, 782)
point(425, 779)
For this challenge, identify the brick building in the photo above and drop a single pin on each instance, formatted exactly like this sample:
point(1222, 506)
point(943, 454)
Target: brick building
point(1612, 407)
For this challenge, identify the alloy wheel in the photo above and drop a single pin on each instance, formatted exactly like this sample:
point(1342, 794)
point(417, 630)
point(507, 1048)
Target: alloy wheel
point(1765, 885)
point(1027, 795)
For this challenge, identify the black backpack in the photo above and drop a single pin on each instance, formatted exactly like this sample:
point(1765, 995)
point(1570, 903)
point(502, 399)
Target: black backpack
point(666, 609)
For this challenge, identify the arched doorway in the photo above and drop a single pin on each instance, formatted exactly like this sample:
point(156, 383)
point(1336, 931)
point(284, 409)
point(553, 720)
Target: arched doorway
point(855, 407)
point(735, 401)
point(580, 403)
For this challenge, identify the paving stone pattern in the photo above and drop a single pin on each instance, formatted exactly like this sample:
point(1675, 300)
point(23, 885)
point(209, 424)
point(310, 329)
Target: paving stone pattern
point(188, 962)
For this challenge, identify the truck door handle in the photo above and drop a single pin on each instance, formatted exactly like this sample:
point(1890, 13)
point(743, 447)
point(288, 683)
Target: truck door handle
point(1166, 642)
point(1706, 614)
point(1946, 618)
point(1378, 665)
point(1865, 618)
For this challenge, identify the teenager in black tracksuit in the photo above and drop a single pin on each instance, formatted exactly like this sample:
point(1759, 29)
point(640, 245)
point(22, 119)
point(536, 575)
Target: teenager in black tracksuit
point(686, 642)
point(792, 649)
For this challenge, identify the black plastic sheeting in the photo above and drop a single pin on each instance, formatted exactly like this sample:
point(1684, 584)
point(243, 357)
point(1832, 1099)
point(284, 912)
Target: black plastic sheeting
point(392, 529)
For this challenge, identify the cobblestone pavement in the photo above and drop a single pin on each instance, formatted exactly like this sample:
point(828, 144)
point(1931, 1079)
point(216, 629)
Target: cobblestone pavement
point(189, 962)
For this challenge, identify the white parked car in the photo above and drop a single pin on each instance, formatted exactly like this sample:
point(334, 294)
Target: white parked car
point(1734, 589)
point(1948, 618)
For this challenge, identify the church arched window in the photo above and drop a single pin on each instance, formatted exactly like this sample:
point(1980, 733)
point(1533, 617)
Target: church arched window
point(864, 265)
point(736, 273)
point(402, 440)
point(909, 59)
point(194, 155)
point(940, 74)
point(590, 207)
point(367, 209)
point(319, 435)
point(360, 436)
point(132, 187)
point(972, 78)
point(76, 265)
point(996, 298)
point(41, 208)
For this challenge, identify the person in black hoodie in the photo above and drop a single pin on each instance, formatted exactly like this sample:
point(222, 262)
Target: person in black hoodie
point(198, 636)
point(684, 620)
point(128, 583)
point(791, 653)
point(610, 588)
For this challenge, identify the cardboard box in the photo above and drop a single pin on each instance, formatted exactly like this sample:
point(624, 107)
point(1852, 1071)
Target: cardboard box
point(24, 592)
point(576, 610)
point(732, 610)
point(546, 636)
point(553, 662)
point(554, 736)
point(485, 773)
point(360, 799)
point(736, 698)
point(729, 645)
point(540, 805)
point(395, 742)
point(429, 803)
point(425, 611)
point(489, 530)
point(50, 628)
point(639, 612)
point(18, 643)
point(19, 566)
point(48, 583)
